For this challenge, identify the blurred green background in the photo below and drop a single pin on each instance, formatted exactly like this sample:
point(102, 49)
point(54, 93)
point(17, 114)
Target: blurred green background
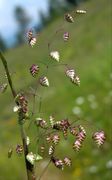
point(89, 52)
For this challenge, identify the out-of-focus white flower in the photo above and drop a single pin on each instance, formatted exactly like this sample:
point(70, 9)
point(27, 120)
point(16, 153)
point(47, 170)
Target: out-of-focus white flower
point(93, 169)
point(80, 100)
point(109, 164)
point(93, 105)
point(77, 110)
point(55, 55)
point(91, 97)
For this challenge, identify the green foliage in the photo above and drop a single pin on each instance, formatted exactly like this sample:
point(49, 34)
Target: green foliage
point(89, 52)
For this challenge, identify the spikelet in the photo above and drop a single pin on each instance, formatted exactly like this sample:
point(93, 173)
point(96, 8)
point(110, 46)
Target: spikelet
point(55, 139)
point(44, 81)
point(51, 120)
point(67, 161)
point(57, 162)
point(34, 69)
point(55, 55)
point(80, 11)
point(70, 73)
point(27, 140)
point(77, 145)
point(31, 40)
point(73, 131)
point(76, 80)
point(51, 150)
point(99, 138)
point(19, 149)
point(41, 122)
point(57, 125)
point(68, 18)
point(66, 36)
point(81, 136)
point(49, 139)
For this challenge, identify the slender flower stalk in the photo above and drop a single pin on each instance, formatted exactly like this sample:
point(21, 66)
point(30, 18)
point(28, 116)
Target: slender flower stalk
point(29, 166)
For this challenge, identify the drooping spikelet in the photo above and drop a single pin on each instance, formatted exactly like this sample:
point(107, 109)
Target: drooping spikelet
point(80, 11)
point(77, 145)
point(55, 55)
point(68, 18)
point(67, 161)
point(99, 138)
point(57, 125)
point(51, 150)
point(31, 39)
point(19, 149)
point(23, 103)
point(55, 139)
point(41, 122)
point(70, 73)
point(81, 136)
point(73, 131)
point(34, 69)
point(57, 162)
point(66, 36)
point(44, 81)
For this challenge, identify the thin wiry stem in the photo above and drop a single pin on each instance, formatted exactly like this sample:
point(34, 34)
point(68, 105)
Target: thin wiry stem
point(29, 166)
point(45, 169)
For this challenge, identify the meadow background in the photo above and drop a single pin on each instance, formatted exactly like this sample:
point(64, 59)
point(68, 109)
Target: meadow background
point(89, 52)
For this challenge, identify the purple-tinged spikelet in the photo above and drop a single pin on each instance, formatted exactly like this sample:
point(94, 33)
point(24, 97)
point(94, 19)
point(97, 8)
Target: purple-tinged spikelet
point(19, 149)
point(23, 103)
point(34, 69)
point(57, 162)
point(99, 138)
point(41, 122)
point(66, 36)
point(68, 18)
point(67, 161)
point(55, 139)
point(77, 145)
point(44, 81)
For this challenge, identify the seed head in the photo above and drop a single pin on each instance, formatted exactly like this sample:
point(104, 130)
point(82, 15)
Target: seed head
point(19, 149)
point(44, 81)
point(99, 138)
point(66, 36)
point(67, 161)
point(77, 145)
point(51, 150)
point(68, 18)
point(70, 73)
point(80, 11)
point(55, 55)
point(57, 162)
point(55, 139)
point(34, 69)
